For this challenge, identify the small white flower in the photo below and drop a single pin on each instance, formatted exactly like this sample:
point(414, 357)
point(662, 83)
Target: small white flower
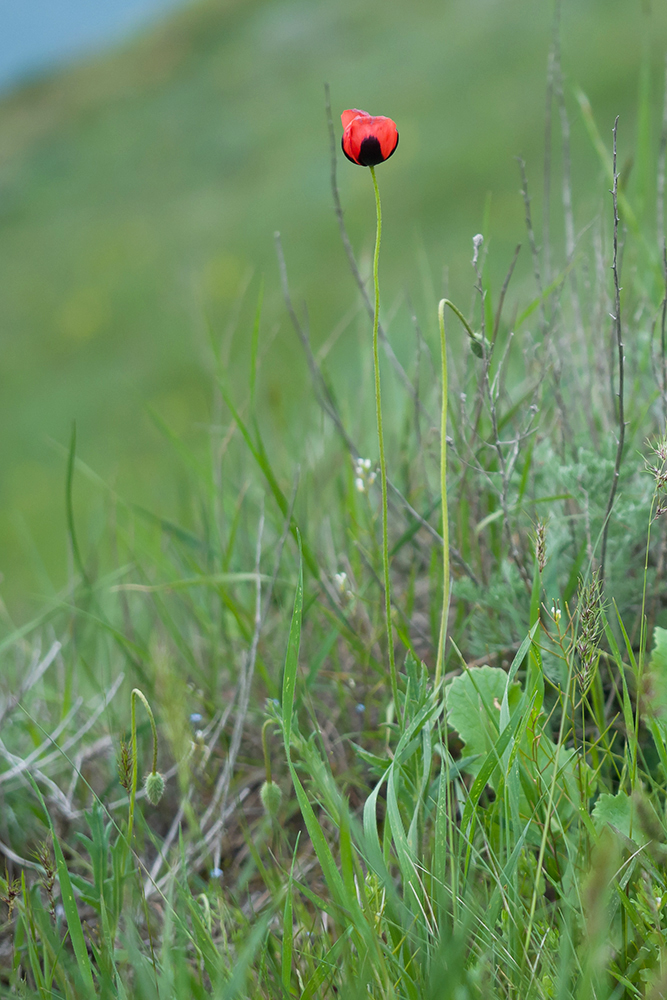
point(364, 477)
point(341, 582)
point(556, 614)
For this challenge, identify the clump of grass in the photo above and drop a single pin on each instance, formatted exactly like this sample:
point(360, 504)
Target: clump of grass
point(485, 819)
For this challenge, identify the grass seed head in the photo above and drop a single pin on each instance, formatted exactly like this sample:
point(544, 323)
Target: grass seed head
point(589, 631)
point(125, 765)
point(541, 545)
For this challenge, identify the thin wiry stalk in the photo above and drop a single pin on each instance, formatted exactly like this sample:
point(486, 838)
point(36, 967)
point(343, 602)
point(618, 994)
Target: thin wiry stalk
point(383, 461)
point(568, 211)
point(480, 401)
point(503, 293)
point(506, 466)
point(621, 366)
point(534, 249)
point(548, 128)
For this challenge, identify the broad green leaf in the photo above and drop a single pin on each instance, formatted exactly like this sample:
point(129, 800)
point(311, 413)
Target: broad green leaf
point(474, 700)
point(620, 812)
point(657, 677)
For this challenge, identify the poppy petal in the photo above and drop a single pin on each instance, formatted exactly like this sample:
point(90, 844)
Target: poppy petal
point(350, 114)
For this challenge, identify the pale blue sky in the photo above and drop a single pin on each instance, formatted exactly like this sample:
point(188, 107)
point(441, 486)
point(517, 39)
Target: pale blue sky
point(38, 34)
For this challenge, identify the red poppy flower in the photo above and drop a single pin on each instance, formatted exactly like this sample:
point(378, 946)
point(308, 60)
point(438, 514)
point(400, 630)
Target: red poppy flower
point(368, 140)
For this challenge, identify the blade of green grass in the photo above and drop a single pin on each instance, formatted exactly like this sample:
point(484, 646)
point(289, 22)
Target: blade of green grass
point(68, 901)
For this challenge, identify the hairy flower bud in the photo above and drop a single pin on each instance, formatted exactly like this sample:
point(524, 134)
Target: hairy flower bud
point(154, 787)
point(271, 796)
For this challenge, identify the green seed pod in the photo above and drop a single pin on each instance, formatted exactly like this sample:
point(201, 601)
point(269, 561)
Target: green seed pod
point(154, 787)
point(271, 795)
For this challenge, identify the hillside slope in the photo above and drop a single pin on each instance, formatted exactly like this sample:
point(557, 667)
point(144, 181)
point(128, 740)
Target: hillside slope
point(140, 192)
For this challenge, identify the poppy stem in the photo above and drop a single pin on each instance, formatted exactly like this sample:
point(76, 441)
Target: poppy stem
point(136, 693)
point(383, 461)
point(439, 661)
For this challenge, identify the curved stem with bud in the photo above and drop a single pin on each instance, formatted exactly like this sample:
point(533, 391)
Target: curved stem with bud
point(136, 693)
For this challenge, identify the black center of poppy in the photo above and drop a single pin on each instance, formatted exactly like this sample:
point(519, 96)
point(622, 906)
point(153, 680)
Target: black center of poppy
point(370, 153)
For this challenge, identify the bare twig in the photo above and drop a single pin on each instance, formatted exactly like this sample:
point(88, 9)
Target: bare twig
point(568, 210)
point(503, 293)
point(548, 128)
point(616, 317)
point(506, 465)
point(534, 249)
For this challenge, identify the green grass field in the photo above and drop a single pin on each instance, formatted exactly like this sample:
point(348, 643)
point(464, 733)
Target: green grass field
point(270, 727)
point(140, 195)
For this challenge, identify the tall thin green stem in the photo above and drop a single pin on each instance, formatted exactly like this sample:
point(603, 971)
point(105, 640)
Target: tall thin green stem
point(439, 660)
point(383, 461)
point(265, 748)
point(136, 693)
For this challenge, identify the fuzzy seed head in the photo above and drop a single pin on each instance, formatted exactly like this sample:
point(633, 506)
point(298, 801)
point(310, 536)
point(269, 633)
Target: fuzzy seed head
point(154, 787)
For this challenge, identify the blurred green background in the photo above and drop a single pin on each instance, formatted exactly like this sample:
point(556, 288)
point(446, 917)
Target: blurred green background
point(139, 194)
